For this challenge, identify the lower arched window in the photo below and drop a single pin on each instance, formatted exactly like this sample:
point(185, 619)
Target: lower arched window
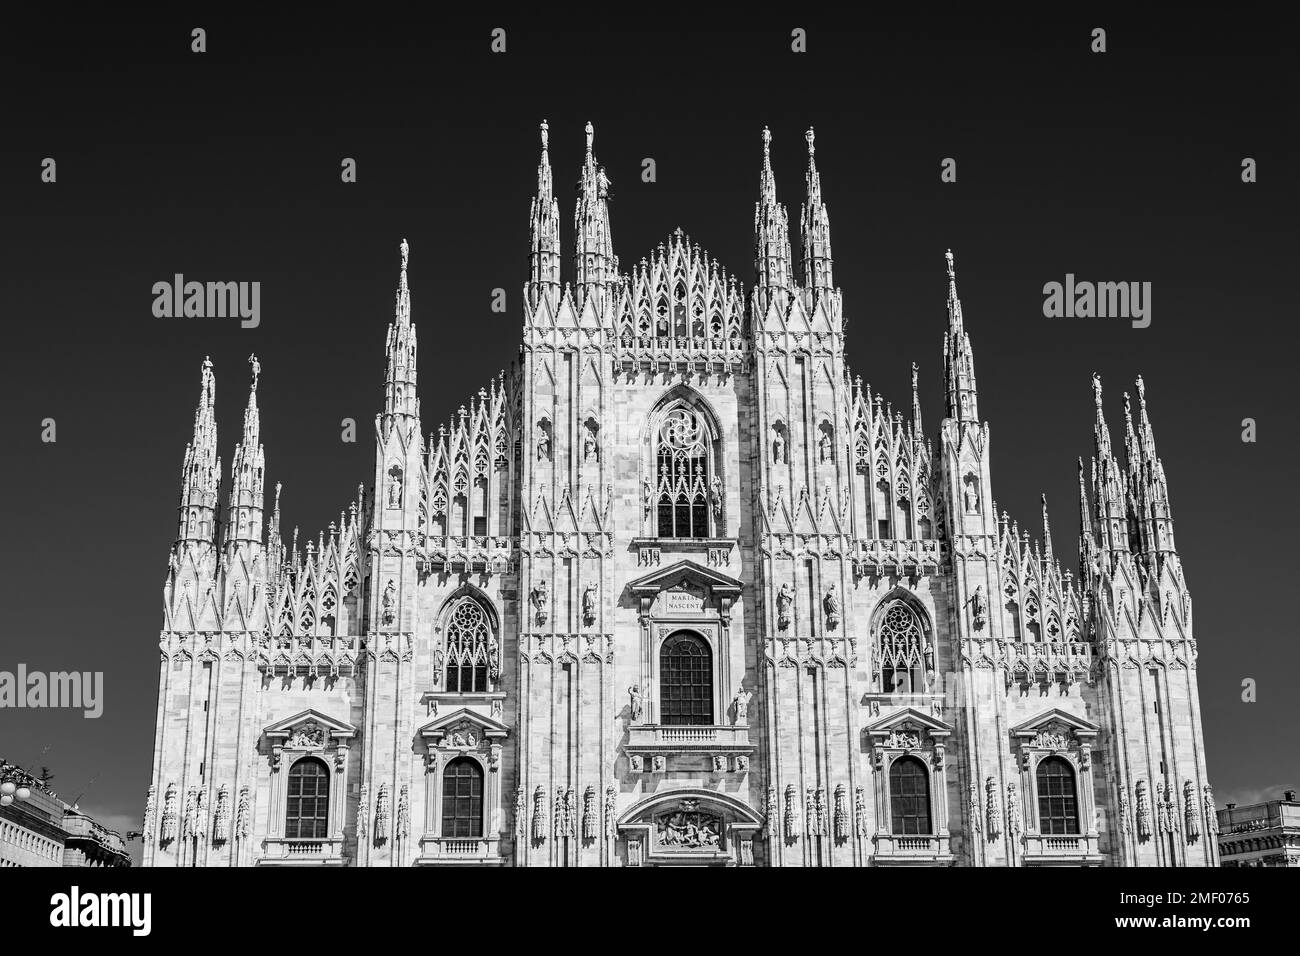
point(1058, 804)
point(900, 642)
point(462, 799)
point(468, 639)
point(307, 814)
point(909, 797)
point(685, 681)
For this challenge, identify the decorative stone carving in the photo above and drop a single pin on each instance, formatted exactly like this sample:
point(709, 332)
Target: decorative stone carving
point(539, 815)
point(860, 810)
point(381, 815)
point(778, 448)
point(363, 813)
point(1143, 811)
point(975, 813)
point(831, 605)
point(636, 762)
point(308, 735)
point(658, 763)
point(540, 597)
point(715, 498)
point(993, 809)
point(1191, 813)
point(1014, 824)
point(463, 734)
point(611, 811)
point(1211, 814)
point(149, 811)
point(190, 820)
point(688, 828)
point(719, 763)
point(903, 737)
point(791, 812)
point(243, 814)
point(221, 818)
point(784, 601)
point(636, 701)
point(742, 763)
point(841, 813)
point(979, 607)
point(395, 487)
point(589, 605)
point(590, 819)
point(521, 812)
point(389, 612)
point(741, 703)
point(403, 813)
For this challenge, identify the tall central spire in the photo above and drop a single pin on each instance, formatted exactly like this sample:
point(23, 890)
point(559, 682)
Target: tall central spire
point(771, 238)
point(201, 472)
point(815, 231)
point(400, 380)
point(593, 250)
point(544, 225)
point(958, 360)
point(248, 470)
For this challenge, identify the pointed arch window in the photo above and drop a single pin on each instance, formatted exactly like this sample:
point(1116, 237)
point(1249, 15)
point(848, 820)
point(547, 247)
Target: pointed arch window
point(685, 681)
point(469, 648)
point(901, 644)
point(909, 797)
point(682, 472)
point(462, 799)
point(308, 801)
point(1058, 804)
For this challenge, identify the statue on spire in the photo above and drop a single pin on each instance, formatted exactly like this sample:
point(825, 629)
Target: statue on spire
point(545, 136)
point(406, 254)
point(256, 366)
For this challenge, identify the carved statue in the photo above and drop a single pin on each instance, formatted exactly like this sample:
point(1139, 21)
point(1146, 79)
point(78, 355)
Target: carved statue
point(1013, 810)
point(635, 693)
point(1143, 811)
point(647, 497)
point(741, 701)
point(993, 815)
point(831, 605)
point(388, 602)
point(791, 812)
point(979, 606)
point(715, 498)
point(540, 596)
point(778, 449)
point(307, 735)
point(1191, 812)
point(242, 814)
point(589, 447)
point(363, 812)
point(494, 660)
point(589, 605)
point(1211, 814)
point(169, 815)
point(403, 813)
point(824, 447)
point(784, 601)
point(381, 815)
point(437, 666)
point(972, 496)
point(929, 656)
point(150, 804)
point(539, 815)
point(543, 442)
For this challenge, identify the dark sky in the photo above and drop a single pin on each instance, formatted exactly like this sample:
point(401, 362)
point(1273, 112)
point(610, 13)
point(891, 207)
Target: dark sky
point(225, 166)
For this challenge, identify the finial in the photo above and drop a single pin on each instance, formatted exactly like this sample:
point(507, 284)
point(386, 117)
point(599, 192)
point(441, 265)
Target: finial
point(1142, 392)
point(810, 136)
point(951, 272)
point(277, 494)
point(256, 366)
point(1096, 388)
point(406, 254)
point(915, 372)
point(767, 141)
point(590, 135)
point(545, 137)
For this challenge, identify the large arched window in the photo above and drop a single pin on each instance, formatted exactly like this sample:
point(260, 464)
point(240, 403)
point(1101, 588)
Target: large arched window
point(909, 797)
point(307, 813)
point(469, 640)
point(685, 681)
point(682, 475)
point(1058, 805)
point(900, 642)
point(462, 799)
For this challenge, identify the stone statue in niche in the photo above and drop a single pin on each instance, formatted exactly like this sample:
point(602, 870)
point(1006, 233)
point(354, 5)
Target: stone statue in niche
point(589, 605)
point(979, 607)
point(831, 605)
point(647, 496)
point(972, 495)
point(784, 601)
point(543, 440)
point(741, 703)
point(637, 698)
point(715, 498)
point(494, 660)
point(589, 446)
point(395, 487)
point(778, 448)
point(929, 656)
point(824, 447)
point(540, 597)
point(389, 603)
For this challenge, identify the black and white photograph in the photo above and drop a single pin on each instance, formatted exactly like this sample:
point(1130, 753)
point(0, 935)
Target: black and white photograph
point(648, 439)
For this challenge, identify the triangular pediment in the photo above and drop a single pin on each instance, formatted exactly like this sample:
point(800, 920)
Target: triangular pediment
point(1054, 715)
point(286, 727)
point(688, 572)
point(909, 715)
point(486, 727)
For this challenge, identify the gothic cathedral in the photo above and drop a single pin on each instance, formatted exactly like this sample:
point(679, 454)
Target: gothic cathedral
point(677, 589)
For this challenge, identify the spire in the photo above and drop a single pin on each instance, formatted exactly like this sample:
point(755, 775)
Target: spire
point(1087, 543)
point(1108, 483)
point(400, 380)
point(244, 516)
point(1049, 553)
point(201, 471)
point(544, 224)
point(917, 431)
point(593, 249)
point(815, 231)
point(771, 237)
point(958, 360)
point(1154, 513)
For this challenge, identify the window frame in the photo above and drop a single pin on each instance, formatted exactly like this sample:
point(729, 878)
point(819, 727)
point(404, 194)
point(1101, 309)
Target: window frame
point(320, 821)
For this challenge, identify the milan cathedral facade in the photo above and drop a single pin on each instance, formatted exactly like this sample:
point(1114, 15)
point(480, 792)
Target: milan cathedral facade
point(677, 589)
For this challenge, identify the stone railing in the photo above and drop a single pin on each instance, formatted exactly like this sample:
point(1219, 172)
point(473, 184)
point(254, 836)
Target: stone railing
point(327, 851)
point(919, 849)
point(1077, 849)
point(878, 555)
point(703, 737)
point(469, 851)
